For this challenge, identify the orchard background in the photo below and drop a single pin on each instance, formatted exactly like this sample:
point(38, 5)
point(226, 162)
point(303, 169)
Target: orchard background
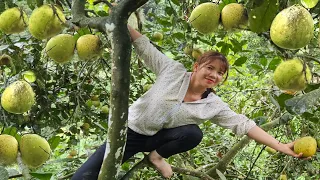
point(74, 100)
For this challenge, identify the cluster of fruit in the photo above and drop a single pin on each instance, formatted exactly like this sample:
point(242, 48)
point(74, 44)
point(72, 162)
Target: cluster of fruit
point(46, 22)
point(34, 150)
point(292, 28)
point(95, 101)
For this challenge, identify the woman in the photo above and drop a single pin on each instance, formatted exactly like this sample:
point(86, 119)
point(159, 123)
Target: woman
point(164, 121)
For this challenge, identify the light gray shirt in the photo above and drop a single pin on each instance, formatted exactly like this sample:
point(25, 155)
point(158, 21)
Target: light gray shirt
point(162, 106)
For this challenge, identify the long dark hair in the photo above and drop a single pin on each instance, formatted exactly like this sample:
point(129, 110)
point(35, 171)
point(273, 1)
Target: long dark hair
point(210, 56)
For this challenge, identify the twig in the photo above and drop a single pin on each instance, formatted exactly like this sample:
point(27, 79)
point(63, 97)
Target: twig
point(103, 1)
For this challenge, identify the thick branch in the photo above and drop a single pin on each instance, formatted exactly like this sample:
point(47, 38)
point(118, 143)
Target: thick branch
point(223, 163)
point(146, 162)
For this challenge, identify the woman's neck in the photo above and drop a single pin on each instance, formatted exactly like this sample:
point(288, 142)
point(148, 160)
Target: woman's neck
point(194, 88)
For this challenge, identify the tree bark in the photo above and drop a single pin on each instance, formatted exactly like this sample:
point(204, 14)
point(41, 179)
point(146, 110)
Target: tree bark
point(116, 27)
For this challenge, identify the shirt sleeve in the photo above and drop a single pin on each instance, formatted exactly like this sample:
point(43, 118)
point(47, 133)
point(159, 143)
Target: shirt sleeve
point(238, 123)
point(153, 58)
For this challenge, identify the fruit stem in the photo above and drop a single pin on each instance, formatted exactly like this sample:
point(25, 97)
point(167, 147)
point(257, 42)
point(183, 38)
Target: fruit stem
point(24, 169)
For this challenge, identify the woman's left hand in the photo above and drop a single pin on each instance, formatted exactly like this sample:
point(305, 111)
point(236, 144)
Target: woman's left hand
point(288, 149)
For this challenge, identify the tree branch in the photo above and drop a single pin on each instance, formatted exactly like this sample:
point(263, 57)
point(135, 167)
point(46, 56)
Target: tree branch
point(223, 163)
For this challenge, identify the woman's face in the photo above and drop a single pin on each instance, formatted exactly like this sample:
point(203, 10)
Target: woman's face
point(209, 74)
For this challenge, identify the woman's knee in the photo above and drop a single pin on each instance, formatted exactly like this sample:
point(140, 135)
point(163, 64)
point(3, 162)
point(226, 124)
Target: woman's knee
point(192, 133)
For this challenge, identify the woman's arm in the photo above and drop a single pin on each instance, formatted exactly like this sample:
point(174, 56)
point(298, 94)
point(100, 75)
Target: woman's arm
point(153, 58)
point(260, 136)
point(133, 33)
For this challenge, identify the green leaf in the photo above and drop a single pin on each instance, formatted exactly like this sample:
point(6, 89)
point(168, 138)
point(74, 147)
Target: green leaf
point(303, 103)
point(274, 101)
point(312, 87)
point(256, 67)
point(54, 142)
point(169, 11)
point(13, 132)
point(285, 118)
point(4, 175)
point(178, 35)
point(263, 61)
point(176, 2)
point(282, 98)
point(274, 63)
point(222, 177)
point(2, 7)
point(3, 47)
point(261, 119)
point(240, 61)
point(42, 176)
point(225, 49)
point(261, 16)
point(31, 4)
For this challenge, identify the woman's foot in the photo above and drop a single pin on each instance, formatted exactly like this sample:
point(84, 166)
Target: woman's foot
point(162, 166)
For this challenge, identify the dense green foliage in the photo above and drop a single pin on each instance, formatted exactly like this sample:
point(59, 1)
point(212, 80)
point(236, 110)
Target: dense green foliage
point(66, 116)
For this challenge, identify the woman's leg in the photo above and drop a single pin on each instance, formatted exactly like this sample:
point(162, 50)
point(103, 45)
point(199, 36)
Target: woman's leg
point(91, 168)
point(168, 142)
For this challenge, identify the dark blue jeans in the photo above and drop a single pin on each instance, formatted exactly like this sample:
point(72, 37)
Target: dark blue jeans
point(166, 142)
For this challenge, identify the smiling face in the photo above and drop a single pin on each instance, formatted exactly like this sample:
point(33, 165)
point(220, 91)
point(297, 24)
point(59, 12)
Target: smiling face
point(209, 74)
point(210, 69)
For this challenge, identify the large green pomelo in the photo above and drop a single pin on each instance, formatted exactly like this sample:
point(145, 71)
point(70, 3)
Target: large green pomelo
point(306, 145)
point(11, 21)
point(309, 3)
point(89, 47)
point(61, 48)
point(8, 150)
point(43, 23)
point(233, 15)
point(292, 28)
point(289, 75)
point(205, 17)
point(18, 97)
point(34, 149)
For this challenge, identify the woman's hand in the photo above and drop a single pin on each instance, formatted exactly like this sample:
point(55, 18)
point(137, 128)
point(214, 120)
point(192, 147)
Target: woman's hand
point(288, 149)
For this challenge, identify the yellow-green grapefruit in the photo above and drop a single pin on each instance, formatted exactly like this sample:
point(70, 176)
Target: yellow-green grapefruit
point(146, 87)
point(292, 28)
point(270, 150)
point(18, 97)
point(61, 48)
point(8, 150)
point(35, 150)
point(46, 21)
point(105, 109)
point(188, 49)
point(196, 53)
point(306, 145)
point(233, 15)
point(13, 20)
point(157, 36)
point(291, 75)
point(309, 3)
point(29, 76)
point(89, 47)
point(205, 17)
point(283, 177)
